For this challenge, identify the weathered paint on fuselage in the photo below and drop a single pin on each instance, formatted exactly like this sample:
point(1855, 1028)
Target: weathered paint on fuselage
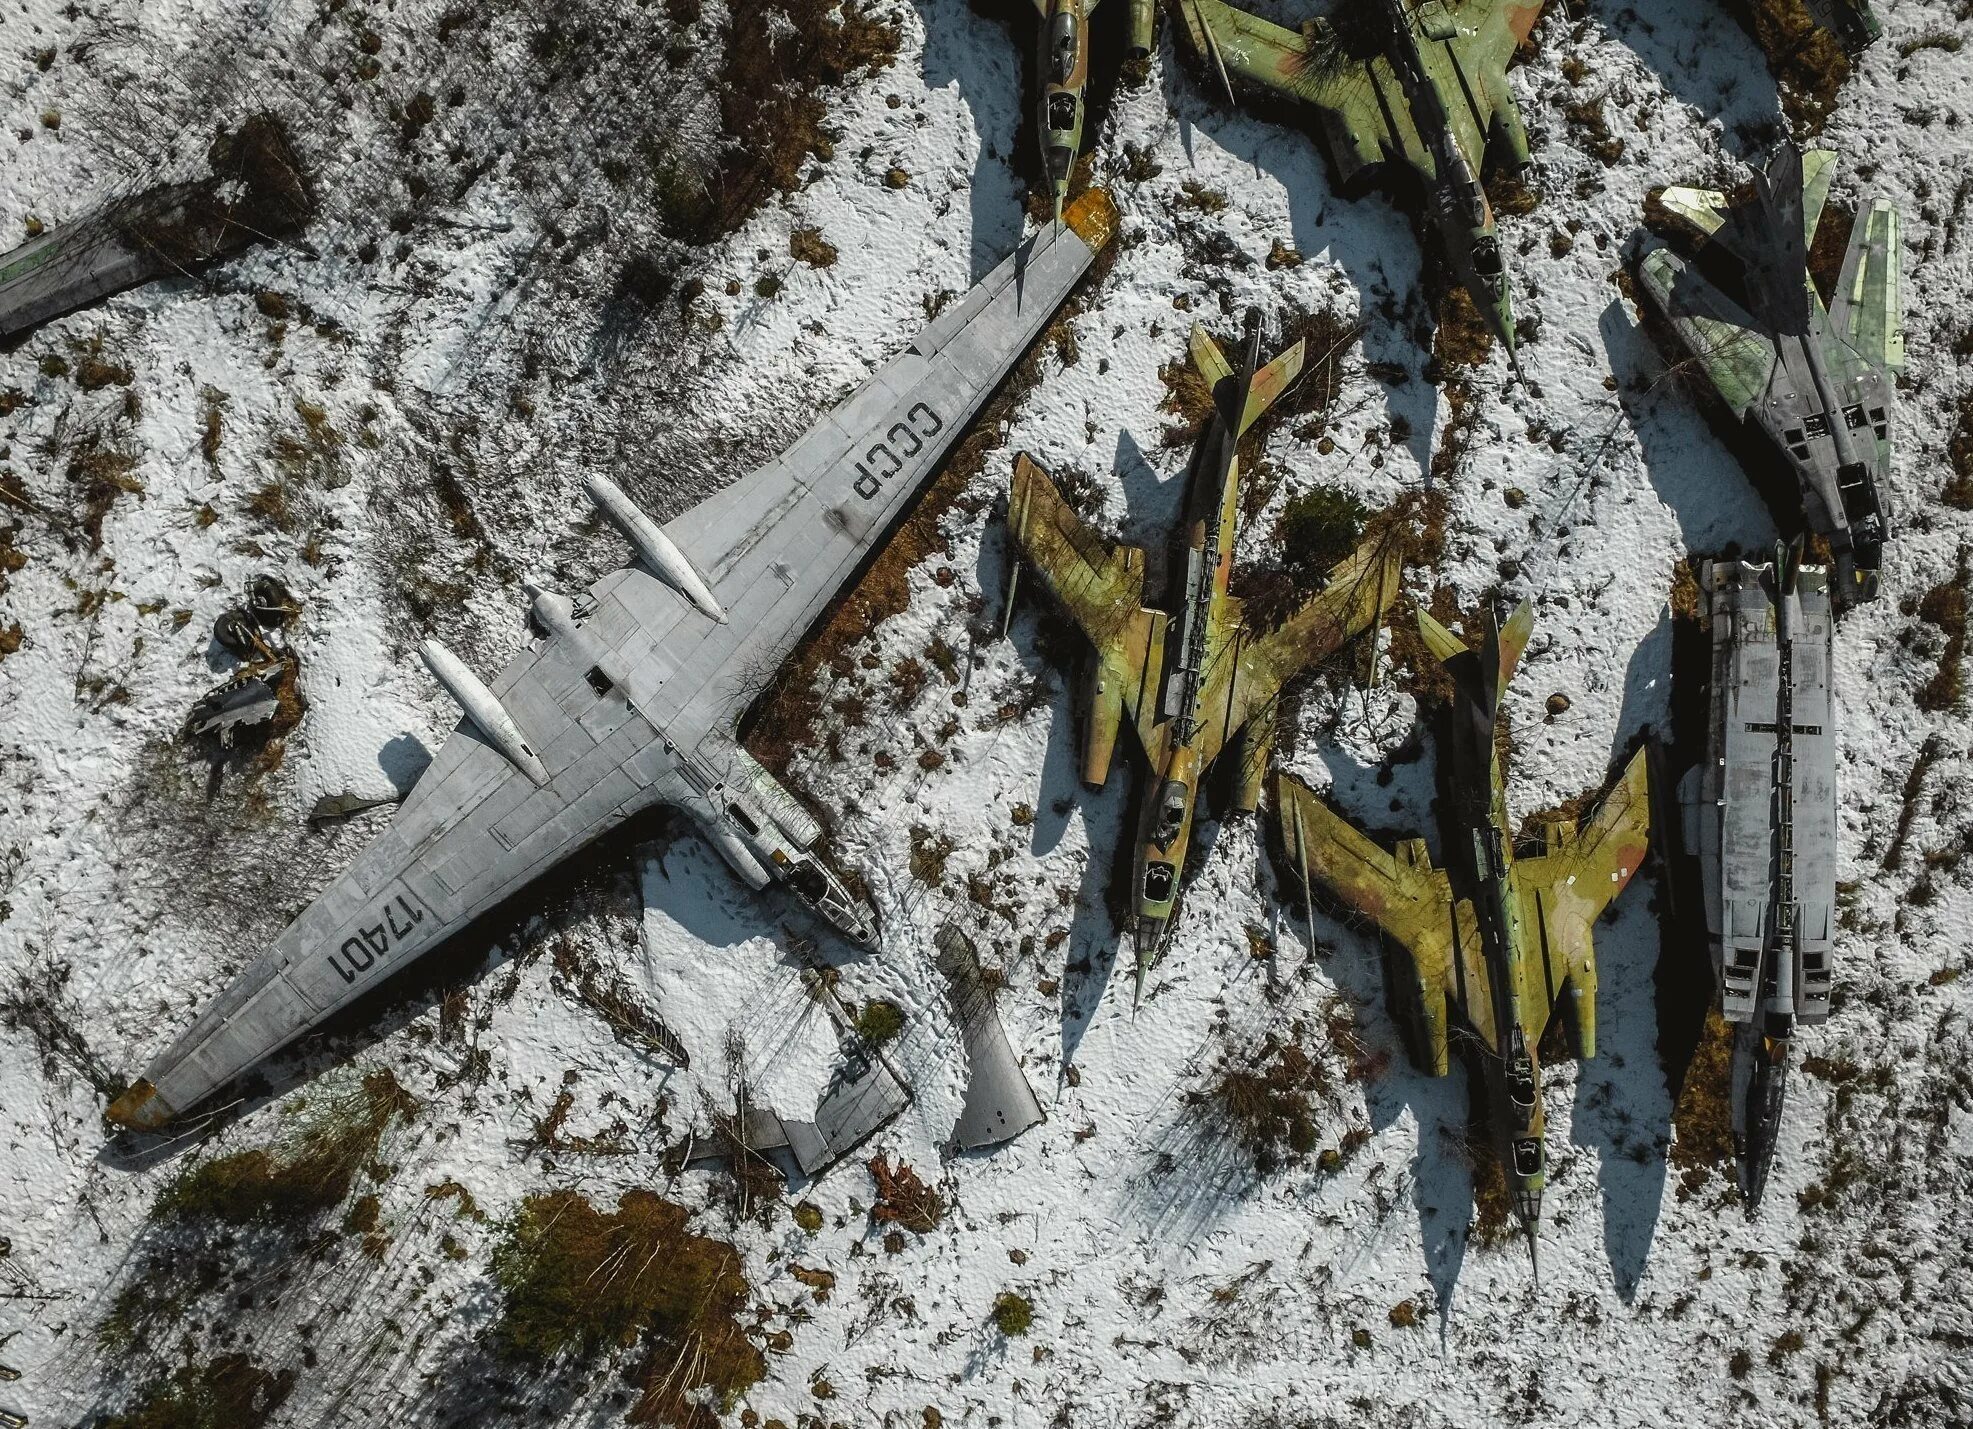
point(1064, 73)
point(1206, 563)
point(1484, 860)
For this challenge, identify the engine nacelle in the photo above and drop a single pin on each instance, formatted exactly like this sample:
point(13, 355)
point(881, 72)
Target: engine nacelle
point(659, 552)
point(736, 853)
point(1143, 15)
point(1103, 710)
point(486, 712)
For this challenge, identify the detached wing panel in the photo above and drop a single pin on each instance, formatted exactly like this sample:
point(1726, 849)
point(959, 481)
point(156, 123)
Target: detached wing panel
point(1410, 901)
point(1565, 890)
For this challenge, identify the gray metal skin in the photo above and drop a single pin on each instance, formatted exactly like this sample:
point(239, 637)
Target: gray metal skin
point(1760, 813)
point(1825, 407)
point(999, 1104)
point(78, 263)
point(635, 702)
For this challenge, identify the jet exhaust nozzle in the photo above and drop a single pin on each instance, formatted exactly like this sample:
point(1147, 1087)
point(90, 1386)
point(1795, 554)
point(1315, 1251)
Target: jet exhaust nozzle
point(483, 708)
point(660, 553)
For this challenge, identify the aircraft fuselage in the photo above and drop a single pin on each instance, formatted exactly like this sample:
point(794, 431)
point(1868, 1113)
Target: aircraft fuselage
point(1201, 632)
point(1481, 854)
point(1064, 73)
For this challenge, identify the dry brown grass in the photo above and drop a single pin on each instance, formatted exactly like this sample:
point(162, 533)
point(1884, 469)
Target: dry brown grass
point(1958, 492)
point(1809, 65)
point(903, 1200)
point(578, 1282)
point(100, 474)
point(779, 55)
point(1944, 607)
point(1267, 1104)
point(230, 1391)
point(298, 1179)
point(1702, 1116)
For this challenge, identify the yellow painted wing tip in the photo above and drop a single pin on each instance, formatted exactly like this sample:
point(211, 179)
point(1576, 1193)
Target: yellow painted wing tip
point(1443, 644)
point(1092, 217)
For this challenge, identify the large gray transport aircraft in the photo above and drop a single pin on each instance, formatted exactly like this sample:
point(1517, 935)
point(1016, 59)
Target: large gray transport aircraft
point(632, 695)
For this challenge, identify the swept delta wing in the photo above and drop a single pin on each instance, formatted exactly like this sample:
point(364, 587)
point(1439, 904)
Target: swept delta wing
point(1500, 942)
point(633, 695)
point(1193, 680)
point(1818, 384)
point(1421, 86)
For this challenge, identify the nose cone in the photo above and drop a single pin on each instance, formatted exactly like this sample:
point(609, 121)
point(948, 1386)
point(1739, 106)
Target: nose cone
point(1149, 939)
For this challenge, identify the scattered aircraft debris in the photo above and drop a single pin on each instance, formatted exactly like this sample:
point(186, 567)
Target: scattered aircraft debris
point(1818, 383)
point(332, 808)
point(1759, 815)
point(256, 192)
point(1190, 681)
point(246, 701)
point(863, 1094)
point(999, 1103)
point(1424, 87)
point(633, 696)
point(252, 697)
point(1503, 942)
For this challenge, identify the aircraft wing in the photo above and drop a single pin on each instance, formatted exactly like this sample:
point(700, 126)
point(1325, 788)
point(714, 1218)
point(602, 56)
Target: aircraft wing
point(1737, 358)
point(1355, 599)
point(1099, 585)
point(1367, 116)
point(1398, 890)
point(637, 701)
point(1867, 308)
point(1563, 892)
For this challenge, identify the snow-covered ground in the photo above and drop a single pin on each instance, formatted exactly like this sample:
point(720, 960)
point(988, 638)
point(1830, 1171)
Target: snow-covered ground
point(457, 327)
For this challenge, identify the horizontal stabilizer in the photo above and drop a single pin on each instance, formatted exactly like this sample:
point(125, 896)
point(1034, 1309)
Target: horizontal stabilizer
point(1270, 382)
point(1208, 359)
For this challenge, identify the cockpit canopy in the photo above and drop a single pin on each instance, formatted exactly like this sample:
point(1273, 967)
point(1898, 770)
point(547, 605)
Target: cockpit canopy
point(1158, 881)
point(1173, 800)
point(1527, 1157)
point(1062, 47)
point(1061, 112)
point(824, 892)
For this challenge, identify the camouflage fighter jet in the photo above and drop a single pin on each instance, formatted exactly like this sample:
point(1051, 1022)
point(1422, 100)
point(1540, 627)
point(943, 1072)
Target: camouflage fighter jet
point(632, 693)
point(1191, 681)
point(1425, 87)
point(1817, 382)
point(1062, 66)
point(1497, 941)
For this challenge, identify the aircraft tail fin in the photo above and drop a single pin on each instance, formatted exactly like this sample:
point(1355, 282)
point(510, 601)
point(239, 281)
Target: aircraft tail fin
point(1270, 382)
point(1481, 674)
point(1208, 359)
